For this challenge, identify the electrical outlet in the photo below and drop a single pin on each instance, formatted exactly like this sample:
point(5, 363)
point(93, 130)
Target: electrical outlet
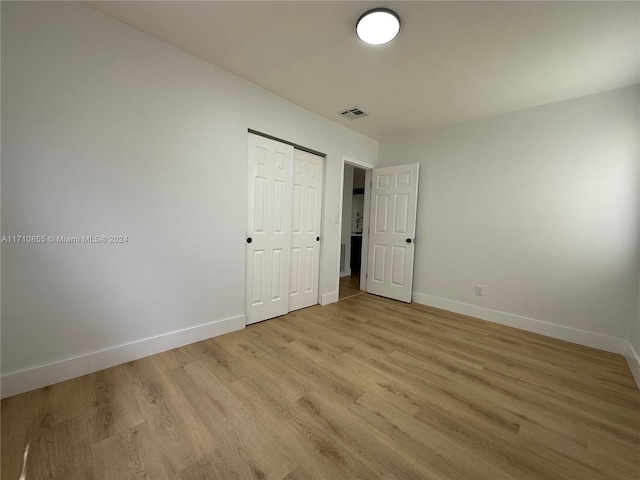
point(480, 290)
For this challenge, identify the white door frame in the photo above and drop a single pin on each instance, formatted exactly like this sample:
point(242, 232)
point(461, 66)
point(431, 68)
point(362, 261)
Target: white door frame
point(367, 167)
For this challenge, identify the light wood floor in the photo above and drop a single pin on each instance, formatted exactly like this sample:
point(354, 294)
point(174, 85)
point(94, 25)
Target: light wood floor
point(366, 388)
point(349, 286)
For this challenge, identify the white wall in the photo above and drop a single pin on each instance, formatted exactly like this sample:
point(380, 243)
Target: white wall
point(106, 130)
point(632, 350)
point(347, 195)
point(541, 207)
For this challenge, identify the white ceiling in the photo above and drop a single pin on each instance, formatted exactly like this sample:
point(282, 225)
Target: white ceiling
point(452, 62)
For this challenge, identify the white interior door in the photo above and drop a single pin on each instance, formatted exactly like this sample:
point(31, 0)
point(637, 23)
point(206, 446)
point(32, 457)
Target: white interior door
point(305, 229)
point(268, 229)
point(392, 228)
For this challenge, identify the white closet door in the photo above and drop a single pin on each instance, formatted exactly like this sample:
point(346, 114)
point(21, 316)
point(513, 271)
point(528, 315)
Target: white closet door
point(305, 229)
point(268, 229)
point(392, 224)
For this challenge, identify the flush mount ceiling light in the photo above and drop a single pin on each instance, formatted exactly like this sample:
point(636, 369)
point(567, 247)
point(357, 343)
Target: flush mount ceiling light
point(378, 26)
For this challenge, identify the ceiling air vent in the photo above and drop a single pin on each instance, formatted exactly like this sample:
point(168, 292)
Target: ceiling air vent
point(353, 112)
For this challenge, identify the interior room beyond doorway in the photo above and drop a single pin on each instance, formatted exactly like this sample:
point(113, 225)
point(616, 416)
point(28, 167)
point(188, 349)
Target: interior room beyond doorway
point(352, 228)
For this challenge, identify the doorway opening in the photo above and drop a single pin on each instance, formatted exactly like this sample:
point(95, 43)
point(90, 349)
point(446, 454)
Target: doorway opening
point(388, 230)
point(353, 219)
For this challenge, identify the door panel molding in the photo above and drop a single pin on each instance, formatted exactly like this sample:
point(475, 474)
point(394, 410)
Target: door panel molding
point(284, 222)
point(268, 242)
point(394, 198)
point(308, 181)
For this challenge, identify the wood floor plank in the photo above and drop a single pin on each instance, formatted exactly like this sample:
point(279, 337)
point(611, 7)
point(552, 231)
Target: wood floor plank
point(380, 453)
point(262, 371)
point(366, 388)
point(18, 415)
point(177, 427)
point(128, 455)
point(317, 455)
point(445, 457)
point(541, 461)
point(114, 407)
point(236, 427)
point(349, 286)
point(62, 450)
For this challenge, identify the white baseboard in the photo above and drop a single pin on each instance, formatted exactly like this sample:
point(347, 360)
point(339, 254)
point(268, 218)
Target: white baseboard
point(346, 273)
point(561, 332)
point(328, 298)
point(36, 377)
point(633, 360)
